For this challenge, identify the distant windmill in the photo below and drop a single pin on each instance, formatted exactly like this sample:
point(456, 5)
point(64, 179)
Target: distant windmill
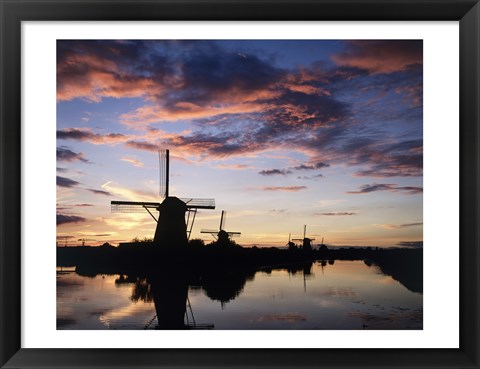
point(220, 233)
point(173, 225)
point(290, 244)
point(306, 241)
point(85, 239)
point(64, 238)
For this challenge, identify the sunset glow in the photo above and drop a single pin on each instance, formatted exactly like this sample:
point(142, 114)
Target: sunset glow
point(282, 134)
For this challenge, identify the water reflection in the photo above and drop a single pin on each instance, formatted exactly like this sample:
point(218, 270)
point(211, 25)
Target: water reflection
point(326, 294)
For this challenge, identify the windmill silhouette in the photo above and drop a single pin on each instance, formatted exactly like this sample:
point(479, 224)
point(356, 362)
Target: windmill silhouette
point(85, 239)
point(290, 243)
point(220, 233)
point(306, 241)
point(176, 215)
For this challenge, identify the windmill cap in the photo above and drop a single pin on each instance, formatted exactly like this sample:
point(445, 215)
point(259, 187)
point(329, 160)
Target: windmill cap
point(173, 202)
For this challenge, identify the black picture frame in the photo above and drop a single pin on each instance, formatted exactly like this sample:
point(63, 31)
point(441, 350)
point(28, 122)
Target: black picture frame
point(13, 12)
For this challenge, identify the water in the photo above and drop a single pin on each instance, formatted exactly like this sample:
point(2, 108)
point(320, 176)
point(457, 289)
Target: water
point(335, 295)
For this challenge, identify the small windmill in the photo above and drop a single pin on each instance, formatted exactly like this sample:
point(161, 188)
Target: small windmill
point(290, 244)
point(65, 238)
point(85, 239)
point(306, 241)
point(221, 233)
point(176, 215)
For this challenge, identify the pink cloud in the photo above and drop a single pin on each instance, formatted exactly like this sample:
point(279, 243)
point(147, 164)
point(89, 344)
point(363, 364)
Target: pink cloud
point(234, 166)
point(92, 78)
point(381, 56)
point(133, 161)
point(412, 94)
point(284, 188)
point(148, 114)
point(85, 134)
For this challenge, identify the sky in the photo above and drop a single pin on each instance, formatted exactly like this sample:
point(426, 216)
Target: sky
point(281, 133)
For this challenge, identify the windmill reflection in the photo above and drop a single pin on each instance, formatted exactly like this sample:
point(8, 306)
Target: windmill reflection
point(169, 294)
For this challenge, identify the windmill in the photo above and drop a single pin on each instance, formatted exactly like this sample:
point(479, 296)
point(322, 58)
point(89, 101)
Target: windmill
point(176, 215)
point(290, 244)
point(221, 234)
point(85, 239)
point(65, 238)
point(306, 242)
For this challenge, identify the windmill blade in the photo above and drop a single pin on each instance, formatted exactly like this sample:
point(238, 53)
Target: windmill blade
point(234, 234)
point(132, 206)
point(164, 164)
point(199, 203)
point(224, 221)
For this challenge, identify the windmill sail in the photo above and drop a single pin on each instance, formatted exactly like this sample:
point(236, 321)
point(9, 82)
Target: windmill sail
point(139, 206)
point(132, 206)
point(223, 220)
point(164, 163)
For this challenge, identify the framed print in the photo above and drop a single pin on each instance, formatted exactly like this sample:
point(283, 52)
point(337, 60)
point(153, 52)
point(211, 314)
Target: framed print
point(244, 184)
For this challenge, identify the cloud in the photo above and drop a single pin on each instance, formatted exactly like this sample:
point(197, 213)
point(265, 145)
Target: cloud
point(387, 187)
point(130, 194)
point(272, 172)
point(66, 182)
point(407, 225)
point(412, 93)
point(64, 219)
point(238, 104)
point(284, 188)
point(318, 165)
point(393, 160)
point(64, 154)
point(314, 177)
point(92, 70)
point(411, 244)
point(146, 115)
point(99, 192)
point(87, 135)
point(133, 161)
point(337, 214)
point(69, 206)
point(142, 145)
point(233, 166)
point(385, 56)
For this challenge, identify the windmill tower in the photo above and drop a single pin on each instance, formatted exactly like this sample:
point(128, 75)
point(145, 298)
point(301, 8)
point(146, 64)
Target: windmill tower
point(306, 241)
point(176, 215)
point(221, 234)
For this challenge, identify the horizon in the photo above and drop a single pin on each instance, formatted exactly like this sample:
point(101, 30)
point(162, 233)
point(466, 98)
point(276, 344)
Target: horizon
point(323, 133)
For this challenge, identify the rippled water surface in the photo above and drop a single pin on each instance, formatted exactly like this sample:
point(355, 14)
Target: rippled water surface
point(334, 295)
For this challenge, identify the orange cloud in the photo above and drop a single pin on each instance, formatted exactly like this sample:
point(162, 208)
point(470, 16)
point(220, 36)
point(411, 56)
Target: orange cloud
point(148, 114)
